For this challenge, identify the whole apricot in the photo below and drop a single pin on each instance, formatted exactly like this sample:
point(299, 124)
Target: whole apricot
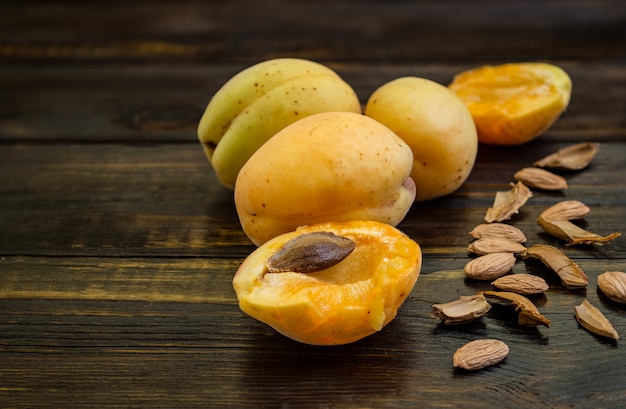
point(334, 166)
point(346, 302)
point(437, 126)
point(261, 100)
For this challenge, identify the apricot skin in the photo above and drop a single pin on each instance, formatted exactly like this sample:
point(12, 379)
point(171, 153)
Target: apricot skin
point(335, 166)
point(437, 126)
point(339, 305)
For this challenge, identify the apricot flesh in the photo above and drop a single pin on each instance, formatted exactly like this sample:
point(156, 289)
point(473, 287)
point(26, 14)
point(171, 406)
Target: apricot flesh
point(437, 126)
point(513, 103)
point(338, 305)
point(335, 166)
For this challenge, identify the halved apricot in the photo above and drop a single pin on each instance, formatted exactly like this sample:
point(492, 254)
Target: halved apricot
point(340, 304)
point(513, 103)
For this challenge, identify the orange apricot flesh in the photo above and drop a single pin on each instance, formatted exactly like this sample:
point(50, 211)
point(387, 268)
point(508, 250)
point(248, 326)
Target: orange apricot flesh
point(514, 103)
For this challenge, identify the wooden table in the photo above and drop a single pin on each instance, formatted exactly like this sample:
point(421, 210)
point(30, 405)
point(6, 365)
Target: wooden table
point(118, 246)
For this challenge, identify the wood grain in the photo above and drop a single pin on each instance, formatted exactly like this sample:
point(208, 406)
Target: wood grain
point(121, 200)
point(396, 31)
point(163, 102)
point(118, 246)
point(159, 333)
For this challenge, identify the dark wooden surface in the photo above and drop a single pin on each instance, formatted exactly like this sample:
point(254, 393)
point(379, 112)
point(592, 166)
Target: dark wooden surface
point(118, 247)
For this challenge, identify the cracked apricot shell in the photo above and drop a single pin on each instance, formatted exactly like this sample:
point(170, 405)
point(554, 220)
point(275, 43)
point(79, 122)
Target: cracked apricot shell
point(341, 304)
point(514, 103)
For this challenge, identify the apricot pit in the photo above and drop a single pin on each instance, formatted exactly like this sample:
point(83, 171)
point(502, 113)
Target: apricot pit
point(310, 252)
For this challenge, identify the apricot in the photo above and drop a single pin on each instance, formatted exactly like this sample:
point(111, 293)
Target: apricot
point(513, 103)
point(340, 304)
point(261, 100)
point(437, 126)
point(335, 166)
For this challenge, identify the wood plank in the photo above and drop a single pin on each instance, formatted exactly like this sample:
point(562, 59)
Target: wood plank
point(146, 280)
point(133, 200)
point(398, 31)
point(163, 333)
point(164, 102)
point(115, 199)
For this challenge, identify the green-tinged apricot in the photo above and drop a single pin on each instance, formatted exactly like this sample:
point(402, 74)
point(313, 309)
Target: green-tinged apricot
point(343, 303)
point(334, 166)
point(260, 101)
point(437, 126)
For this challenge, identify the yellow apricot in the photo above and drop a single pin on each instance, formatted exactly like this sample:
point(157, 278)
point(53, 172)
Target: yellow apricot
point(436, 125)
point(340, 304)
point(334, 166)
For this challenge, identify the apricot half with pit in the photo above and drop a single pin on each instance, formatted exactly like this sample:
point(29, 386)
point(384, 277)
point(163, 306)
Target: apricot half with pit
point(334, 166)
point(340, 302)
